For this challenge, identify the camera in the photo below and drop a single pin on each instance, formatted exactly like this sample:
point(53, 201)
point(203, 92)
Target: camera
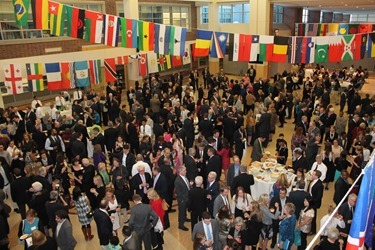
point(233, 244)
point(57, 187)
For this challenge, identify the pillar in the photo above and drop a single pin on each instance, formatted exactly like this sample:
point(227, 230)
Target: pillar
point(314, 16)
point(327, 17)
point(213, 24)
point(261, 24)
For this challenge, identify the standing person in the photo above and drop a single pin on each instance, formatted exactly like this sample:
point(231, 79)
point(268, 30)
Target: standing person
point(98, 191)
point(222, 199)
point(32, 222)
point(237, 233)
point(197, 200)
point(103, 223)
point(239, 138)
point(316, 191)
point(82, 204)
point(210, 228)
point(142, 220)
point(253, 223)
point(87, 179)
point(182, 187)
point(257, 152)
point(224, 220)
point(213, 191)
point(241, 203)
point(113, 208)
point(141, 182)
point(341, 187)
point(287, 225)
point(64, 233)
point(243, 180)
point(298, 196)
point(268, 215)
point(18, 189)
point(224, 153)
point(282, 200)
point(156, 204)
point(130, 239)
point(189, 129)
point(305, 222)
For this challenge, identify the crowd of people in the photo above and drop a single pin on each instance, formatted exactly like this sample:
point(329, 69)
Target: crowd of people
point(184, 139)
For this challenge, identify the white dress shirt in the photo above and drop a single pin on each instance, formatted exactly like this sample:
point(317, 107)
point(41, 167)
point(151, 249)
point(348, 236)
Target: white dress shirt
point(135, 167)
point(322, 168)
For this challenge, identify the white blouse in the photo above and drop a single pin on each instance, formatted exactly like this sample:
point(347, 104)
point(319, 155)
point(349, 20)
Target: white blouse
point(241, 204)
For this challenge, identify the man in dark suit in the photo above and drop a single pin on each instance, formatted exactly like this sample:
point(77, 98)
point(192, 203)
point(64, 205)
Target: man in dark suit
point(167, 170)
point(263, 126)
point(316, 191)
point(126, 158)
point(142, 220)
point(239, 141)
point(346, 210)
point(87, 179)
point(188, 126)
point(141, 182)
point(182, 187)
point(190, 164)
point(18, 189)
point(218, 139)
point(282, 199)
point(222, 199)
point(20, 129)
point(132, 136)
point(103, 223)
point(257, 152)
point(300, 161)
point(97, 138)
point(206, 127)
point(131, 241)
point(79, 127)
point(213, 191)
point(298, 196)
point(229, 127)
point(197, 200)
point(210, 227)
point(341, 187)
point(78, 147)
point(243, 180)
point(64, 232)
point(110, 137)
point(160, 185)
point(213, 163)
point(206, 75)
point(234, 170)
point(30, 119)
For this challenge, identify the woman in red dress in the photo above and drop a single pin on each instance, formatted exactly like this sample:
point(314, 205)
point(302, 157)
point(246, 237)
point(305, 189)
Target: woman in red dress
point(157, 205)
point(225, 156)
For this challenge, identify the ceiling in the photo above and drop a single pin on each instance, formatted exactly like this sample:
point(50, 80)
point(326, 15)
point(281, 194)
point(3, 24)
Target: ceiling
point(345, 6)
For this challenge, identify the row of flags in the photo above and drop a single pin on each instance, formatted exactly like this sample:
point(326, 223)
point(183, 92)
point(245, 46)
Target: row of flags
point(332, 29)
point(92, 26)
point(304, 49)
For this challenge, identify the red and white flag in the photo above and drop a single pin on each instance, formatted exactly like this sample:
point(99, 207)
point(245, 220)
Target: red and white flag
point(13, 78)
point(112, 29)
point(110, 70)
point(142, 65)
point(121, 60)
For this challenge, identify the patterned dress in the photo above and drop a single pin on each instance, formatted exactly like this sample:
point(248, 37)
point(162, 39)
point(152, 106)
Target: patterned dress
point(82, 209)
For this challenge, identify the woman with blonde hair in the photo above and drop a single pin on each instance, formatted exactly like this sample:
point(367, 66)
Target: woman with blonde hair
point(281, 182)
point(237, 233)
point(287, 225)
point(41, 242)
point(157, 205)
point(334, 222)
point(268, 216)
point(98, 191)
point(254, 224)
point(250, 126)
point(102, 171)
point(113, 208)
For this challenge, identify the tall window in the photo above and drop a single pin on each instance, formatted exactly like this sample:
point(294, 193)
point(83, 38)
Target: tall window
point(321, 17)
point(204, 14)
point(305, 15)
point(361, 18)
point(234, 13)
point(278, 14)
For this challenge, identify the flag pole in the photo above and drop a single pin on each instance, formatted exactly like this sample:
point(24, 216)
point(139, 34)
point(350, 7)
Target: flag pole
point(310, 246)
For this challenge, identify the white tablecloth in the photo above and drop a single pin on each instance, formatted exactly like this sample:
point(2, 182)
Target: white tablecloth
point(261, 187)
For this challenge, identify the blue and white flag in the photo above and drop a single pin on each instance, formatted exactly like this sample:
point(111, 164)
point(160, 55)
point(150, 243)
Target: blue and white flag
point(82, 73)
point(162, 38)
point(218, 45)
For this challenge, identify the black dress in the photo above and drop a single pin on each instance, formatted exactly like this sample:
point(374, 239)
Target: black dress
point(325, 244)
point(330, 168)
point(252, 232)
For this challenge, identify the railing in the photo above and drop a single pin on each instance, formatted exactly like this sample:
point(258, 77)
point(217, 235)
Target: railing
point(10, 30)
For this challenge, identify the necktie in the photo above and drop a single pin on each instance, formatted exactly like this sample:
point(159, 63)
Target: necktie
point(186, 182)
point(208, 230)
point(316, 167)
point(144, 180)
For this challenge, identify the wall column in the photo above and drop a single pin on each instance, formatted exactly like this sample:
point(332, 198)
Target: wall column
point(213, 24)
point(261, 24)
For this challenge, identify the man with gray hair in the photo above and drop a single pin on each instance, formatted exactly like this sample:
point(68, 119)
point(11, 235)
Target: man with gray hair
point(190, 164)
point(182, 187)
point(197, 200)
point(319, 165)
point(139, 162)
point(213, 191)
point(346, 210)
point(42, 178)
point(244, 180)
point(141, 182)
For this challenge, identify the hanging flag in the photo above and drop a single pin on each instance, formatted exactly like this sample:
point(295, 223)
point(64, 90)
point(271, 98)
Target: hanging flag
point(82, 74)
point(56, 18)
point(145, 36)
point(177, 41)
point(335, 49)
point(364, 28)
point(13, 78)
point(321, 50)
point(254, 48)
point(343, 29)
point(301, 29)
point(40, 14)
point(307, 50)
point(129, 29)
point(351, 47)
point(176, 61)
point(202, 43)
point(332, 29)
point(322, 29)
point(75, 21)
point(293, 49)
point(239, 47)
point(312, 29)
point(142, 65)
point(67, 73)
point(95, 71)
point(164, 62)
point(353, 28)
point(371, 45)
point(186, 59)
point(53, 73)
point(280, 48)
point(361, 227)
point(363, 38)
point(152, 62)
point(93, 26)
point(110, 70)
point(35, 76)
point(162, 39)
point(218, 45)
point(21, 11)
point(266, 48)
point(121, 60)
point(111, 32)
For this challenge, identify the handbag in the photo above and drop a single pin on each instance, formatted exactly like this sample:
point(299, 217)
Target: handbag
point(297, 237)
point(90, 214)
point(158, 228)
point(124, 181)
point(164, 205)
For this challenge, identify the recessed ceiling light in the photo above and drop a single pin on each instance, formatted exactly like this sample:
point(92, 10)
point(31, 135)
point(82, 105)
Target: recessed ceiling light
point(346, 4)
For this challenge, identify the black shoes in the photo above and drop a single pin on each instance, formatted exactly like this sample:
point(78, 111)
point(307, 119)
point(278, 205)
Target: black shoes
point(183, 228)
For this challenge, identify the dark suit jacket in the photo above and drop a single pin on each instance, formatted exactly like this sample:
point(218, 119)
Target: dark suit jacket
point(99, 139)
point(214, 191)
point(206, 128)
point(214, 164)
point(242, 180)
point(191, 167)
point(110, 137)
point(215, 232)
point(275, 223)
point(83, 130)
point(130, 160)
point(142, 218)
point(297, 198)
point(181, 188)
point(189, 128)
point(104, 226)
point(19, 190)
point(257, 154)
point(197, 201)
point(65, 239)
point(347, 215)
point(264, 125)
point(317, 194)
point(132, 243)
point(8, 174)
point(79, 148)
point(230, 174)
point(137, 180)
point(161, 186)
point(301, 163)
point(238, 143)
point(341, 188)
